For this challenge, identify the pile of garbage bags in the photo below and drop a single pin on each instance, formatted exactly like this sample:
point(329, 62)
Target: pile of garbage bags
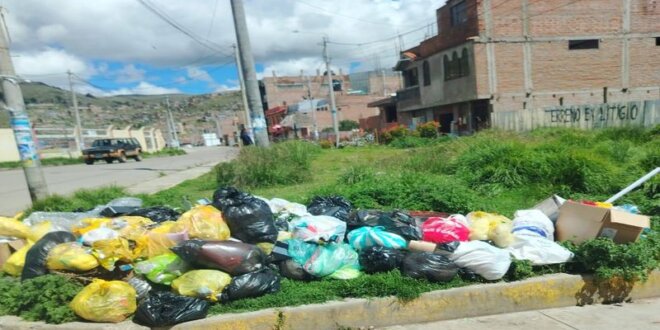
point(167, 267)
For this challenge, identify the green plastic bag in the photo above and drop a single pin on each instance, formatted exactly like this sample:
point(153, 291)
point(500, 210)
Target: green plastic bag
point(162, 269)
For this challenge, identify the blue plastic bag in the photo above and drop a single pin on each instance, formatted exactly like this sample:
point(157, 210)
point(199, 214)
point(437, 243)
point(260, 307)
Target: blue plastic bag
point(365, 237)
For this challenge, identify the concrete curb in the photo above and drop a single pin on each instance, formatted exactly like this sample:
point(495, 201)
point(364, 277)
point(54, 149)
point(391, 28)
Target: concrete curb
point(550, 291)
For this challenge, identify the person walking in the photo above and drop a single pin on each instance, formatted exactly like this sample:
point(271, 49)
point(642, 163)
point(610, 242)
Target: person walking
point(245, 137)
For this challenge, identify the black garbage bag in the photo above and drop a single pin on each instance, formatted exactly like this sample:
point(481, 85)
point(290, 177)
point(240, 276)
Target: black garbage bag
point(249, 218)
point(377, 259)
point(334, 206)
point(251, 285)
point(233, 258)
point(166, 308)
point(433, 267)
point(156, 213)
point(35, 259)
point(282, 224)
point(395, 222)
point(295, 271)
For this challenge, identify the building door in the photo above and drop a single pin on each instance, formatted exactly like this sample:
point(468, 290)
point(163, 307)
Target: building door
point(480, 115)
point(445, 122)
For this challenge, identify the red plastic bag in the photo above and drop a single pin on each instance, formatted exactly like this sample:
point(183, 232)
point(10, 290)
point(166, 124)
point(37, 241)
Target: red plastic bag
point(445, 230)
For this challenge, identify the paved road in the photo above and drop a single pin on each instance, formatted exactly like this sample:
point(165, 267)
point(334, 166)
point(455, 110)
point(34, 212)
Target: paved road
point(641, 314)
point(65, 180)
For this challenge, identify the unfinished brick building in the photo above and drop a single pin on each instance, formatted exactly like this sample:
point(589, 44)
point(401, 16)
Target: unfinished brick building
point(521, 64)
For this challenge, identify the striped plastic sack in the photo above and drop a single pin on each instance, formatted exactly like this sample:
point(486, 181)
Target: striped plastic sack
point(365, 237)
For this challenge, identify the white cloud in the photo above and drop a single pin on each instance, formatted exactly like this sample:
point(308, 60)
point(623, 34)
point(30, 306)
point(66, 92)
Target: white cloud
point(199, 74)
point(143, 88)
point(130, 73)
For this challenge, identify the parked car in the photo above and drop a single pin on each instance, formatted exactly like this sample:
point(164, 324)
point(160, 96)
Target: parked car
point(111, 149)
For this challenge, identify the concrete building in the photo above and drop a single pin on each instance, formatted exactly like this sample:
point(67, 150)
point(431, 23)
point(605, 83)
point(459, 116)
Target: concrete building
point(521, 64)
point(290, 92)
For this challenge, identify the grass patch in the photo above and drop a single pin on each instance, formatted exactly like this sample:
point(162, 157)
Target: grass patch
point(296, 293)
point(283, 163)
point(165, 152)
point(56, 161)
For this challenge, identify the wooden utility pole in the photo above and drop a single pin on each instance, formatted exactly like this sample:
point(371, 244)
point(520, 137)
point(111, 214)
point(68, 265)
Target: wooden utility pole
point(331, 90)
point(74, 99)
point(20, 123)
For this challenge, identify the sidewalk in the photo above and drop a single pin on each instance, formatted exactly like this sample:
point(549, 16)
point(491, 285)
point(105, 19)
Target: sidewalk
point(640, 314)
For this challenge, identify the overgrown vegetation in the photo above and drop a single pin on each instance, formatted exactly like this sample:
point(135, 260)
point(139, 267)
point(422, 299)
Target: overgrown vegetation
point(45, 298)
point(283, 163)
point(347, 125)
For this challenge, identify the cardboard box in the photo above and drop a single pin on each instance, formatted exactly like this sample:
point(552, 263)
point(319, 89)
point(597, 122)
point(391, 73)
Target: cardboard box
point(9, 247)
point(578, 223)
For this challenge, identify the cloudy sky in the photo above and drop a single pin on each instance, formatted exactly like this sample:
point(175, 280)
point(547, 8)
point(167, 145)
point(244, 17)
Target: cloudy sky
point(127, 46)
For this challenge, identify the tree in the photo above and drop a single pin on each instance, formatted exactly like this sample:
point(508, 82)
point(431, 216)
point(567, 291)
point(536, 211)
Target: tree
point(347, 125)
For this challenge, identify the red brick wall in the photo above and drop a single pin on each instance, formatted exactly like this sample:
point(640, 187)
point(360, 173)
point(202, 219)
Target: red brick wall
point(644, 62)
point(645, 16)
point(450, 36)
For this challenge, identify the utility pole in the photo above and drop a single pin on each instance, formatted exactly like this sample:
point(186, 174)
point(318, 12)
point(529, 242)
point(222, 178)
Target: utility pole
point(170, 118)
point(331, 90)
point(218, 127)
point(249, 75)
point(382, 79)
point(74, 98)
point(312, 108)
point(20, 123)
point(246, 108)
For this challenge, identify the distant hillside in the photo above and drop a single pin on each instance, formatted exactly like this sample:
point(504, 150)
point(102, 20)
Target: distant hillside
point(50, 106)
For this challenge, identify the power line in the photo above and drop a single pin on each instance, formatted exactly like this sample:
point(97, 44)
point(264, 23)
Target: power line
point(169, 20)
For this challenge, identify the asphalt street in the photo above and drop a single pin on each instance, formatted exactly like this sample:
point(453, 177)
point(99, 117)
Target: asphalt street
point(65, 180)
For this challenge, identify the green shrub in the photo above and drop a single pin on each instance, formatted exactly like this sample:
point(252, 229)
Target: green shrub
point(407, 142)
point(325, 144)
point(606, 259)
point(356, 174)
point(406, 190)
point(45, 298)
point(282, 163)
point(428, 129)
point(347, 125)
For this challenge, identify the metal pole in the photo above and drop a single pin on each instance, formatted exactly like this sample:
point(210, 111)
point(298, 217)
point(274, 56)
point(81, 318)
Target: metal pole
point(382, 79)
point(248, 125)
point(313, 109)
point(258, 120)
point(74, 98)
point(634, 185)
point(20, 123)
point(175, 142)
point(331, 90)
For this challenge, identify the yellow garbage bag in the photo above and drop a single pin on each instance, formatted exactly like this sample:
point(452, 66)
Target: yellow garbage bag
point(203, 283)
point(40, 230)
point(72, 257)
point(490, 226)
point(13, 228)
point(14, 264)
point(130, 227)
point(89, 224)
point(105, 301)
point(109, 251)
point(203, 222)
point(159, 240)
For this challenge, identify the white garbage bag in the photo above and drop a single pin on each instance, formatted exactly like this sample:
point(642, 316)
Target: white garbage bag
point(98, 234)
point(538, 250)
point(533, 222)
point(318, 228)
point(278, 205)
point(489, 261)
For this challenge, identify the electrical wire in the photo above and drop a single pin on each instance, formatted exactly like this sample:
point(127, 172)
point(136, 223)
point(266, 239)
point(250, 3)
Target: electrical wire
point(169, 20)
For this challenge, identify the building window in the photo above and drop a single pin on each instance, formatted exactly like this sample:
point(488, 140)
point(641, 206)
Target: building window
point(583, 44)
point(459, 13)
point(465, 64)
point(457, 67)
point(657, 41)
point(426, 73)
point(411, 77)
